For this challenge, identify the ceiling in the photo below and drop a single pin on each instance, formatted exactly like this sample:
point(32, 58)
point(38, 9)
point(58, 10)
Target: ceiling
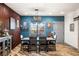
point(44, 9)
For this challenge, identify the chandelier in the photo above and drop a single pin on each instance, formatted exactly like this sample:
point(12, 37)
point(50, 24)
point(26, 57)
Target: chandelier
point(37, 18)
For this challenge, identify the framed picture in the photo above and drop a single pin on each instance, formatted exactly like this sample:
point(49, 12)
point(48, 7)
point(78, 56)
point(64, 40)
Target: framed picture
point(1, 23)
point(33, 29)
point(72, 27)
point(12, 23)
point(18, 24)
point(49, 25)
point(41, 29)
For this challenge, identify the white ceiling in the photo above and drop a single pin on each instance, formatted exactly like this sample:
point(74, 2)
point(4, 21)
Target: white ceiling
point(50, 9)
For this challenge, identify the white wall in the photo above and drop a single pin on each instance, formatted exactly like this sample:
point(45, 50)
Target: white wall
point(71, 38)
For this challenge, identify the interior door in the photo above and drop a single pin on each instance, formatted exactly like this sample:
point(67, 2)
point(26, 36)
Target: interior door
point(59, 29)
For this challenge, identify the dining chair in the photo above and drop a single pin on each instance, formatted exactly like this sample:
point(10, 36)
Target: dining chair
point(51, 43)
point(42, 44)
point(24, 43)
point(33, 44)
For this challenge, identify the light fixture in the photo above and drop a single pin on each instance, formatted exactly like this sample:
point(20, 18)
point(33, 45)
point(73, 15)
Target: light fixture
point(36, 11)
point(37, 17)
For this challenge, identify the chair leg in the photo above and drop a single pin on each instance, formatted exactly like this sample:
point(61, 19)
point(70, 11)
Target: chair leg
point(21, 48)
point(47, 48)
point(55, 47)
point(36, 49)
point(39, 48)
point(28, 48)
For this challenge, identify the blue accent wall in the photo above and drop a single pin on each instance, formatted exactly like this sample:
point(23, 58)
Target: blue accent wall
point(44, 19)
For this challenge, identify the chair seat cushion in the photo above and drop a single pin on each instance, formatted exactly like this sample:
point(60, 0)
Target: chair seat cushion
point(25, 42)
point(51, 42)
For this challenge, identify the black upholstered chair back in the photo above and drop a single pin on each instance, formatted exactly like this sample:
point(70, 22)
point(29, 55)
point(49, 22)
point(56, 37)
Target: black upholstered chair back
point(42, 40)
point(33, 40)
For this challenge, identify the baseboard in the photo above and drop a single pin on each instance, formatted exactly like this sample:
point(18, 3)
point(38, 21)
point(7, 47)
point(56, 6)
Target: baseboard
point(71, 46)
